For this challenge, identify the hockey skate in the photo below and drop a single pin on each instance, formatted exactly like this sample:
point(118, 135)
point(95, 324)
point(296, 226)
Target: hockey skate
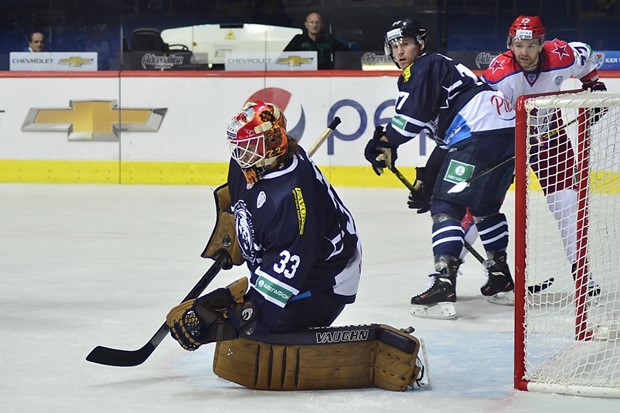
point(437, 301)
point(499, 288)
point(594, 290)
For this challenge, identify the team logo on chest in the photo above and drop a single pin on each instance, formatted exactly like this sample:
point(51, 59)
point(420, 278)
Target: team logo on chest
point(531, 78)
point(245, 231)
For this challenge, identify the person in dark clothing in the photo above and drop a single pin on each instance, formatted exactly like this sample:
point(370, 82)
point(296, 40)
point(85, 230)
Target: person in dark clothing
point(313, 39)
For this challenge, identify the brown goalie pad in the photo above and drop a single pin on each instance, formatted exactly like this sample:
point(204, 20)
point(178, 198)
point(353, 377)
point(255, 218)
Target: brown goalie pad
point(224, 236)
point(321, 358)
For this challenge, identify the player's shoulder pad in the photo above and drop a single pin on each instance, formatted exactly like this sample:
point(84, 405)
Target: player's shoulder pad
point(503, 66)
point(557, 54)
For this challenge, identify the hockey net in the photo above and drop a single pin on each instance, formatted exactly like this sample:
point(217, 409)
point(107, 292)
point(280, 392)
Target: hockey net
point(567, 338)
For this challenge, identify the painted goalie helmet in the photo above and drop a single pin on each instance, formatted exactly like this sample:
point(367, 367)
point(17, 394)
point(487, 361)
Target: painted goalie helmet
point(257, 137)
point(526, 27)
point(401, 29)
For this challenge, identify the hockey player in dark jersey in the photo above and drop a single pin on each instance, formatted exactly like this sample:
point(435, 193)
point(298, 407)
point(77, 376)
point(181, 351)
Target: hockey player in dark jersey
point(296, 236)
point(476, 125)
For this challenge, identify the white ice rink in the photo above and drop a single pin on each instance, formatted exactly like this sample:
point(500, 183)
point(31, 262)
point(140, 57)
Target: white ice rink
point(88, 265)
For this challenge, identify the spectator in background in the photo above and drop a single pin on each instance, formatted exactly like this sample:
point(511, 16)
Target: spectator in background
point(36, 42)
point(314, 40)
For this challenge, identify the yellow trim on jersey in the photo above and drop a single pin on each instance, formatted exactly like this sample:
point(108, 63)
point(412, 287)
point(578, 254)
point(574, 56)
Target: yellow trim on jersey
point(300, 206)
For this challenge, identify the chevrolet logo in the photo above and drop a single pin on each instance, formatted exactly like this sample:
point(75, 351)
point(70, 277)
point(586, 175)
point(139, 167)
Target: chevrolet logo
point(75, 61)
point(294, 60)
point(93, 120)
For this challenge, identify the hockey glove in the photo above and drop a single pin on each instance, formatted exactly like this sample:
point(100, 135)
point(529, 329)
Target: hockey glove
point(425, 181)
point(223, 239)
point(594, 86)
point(420, 198)
point(185, 327)
point(217, 316)
point(379, 153)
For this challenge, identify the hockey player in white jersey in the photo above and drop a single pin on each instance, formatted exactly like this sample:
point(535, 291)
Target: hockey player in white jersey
point(533, 65)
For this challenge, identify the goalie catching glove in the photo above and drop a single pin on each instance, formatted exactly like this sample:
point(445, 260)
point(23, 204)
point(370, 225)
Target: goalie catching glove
point(217, 316)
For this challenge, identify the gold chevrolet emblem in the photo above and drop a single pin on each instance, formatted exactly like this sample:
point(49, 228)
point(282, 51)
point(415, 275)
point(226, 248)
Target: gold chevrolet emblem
point(93, 120)
point(293, 60)
point(75, 61)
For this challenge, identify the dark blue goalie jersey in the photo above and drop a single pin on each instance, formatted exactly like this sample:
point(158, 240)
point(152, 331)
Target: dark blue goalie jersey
point(296, 236)
point(447, 101)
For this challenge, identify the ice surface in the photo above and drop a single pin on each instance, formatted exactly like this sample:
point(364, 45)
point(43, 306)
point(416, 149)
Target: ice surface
point(88, 265)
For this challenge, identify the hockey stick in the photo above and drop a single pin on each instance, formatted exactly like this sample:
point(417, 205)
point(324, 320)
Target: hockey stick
point(316, 145)
point(409, 186)
point(129, 358)
point(532, 289)
point(461, 186)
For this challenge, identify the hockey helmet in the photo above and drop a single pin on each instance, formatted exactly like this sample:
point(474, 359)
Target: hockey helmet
point(526, 27)
point(403, 28)
point(257, 137)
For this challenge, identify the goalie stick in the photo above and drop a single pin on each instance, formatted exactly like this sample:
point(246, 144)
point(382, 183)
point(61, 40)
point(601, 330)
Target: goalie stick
point(317, 144)
point(130, 358)
point(532, 289)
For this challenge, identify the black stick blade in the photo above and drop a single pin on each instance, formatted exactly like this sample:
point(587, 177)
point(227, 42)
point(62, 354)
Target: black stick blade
point(127, 358)
point(120, 358)
point(536, 288)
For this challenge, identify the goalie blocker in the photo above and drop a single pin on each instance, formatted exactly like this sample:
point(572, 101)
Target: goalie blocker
point(374, 355)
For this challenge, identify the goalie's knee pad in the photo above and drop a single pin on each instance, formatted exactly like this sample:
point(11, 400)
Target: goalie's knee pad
point(322, 358)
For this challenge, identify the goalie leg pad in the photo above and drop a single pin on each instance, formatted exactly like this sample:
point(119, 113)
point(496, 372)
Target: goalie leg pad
point(395, 362)
point(321, 358)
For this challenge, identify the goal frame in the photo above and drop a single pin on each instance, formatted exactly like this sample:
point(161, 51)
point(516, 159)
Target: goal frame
point(522, 171)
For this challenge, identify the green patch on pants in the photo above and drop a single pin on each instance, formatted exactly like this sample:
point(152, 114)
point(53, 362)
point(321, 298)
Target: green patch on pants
point(458, 172)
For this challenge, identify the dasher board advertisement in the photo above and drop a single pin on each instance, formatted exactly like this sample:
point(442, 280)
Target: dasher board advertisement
point(53, 61)
point(257, 61)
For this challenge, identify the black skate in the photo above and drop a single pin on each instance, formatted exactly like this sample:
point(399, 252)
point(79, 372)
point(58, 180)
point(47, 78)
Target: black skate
point(437, 300)
point(499, 286)
point(594, 290)
point(440, 290)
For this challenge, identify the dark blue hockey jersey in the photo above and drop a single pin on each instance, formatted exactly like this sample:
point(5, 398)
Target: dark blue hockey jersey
point(448, 101)
point(296, 236)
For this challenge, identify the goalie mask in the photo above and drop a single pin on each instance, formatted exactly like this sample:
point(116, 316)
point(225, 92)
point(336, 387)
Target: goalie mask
point(257, 137)
point(526, 28)
point(401, 29)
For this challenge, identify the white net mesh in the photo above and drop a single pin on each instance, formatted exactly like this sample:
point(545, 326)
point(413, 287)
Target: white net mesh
point(572, 234)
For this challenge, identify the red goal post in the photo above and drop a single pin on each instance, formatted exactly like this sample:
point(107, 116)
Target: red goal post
point(566, 340)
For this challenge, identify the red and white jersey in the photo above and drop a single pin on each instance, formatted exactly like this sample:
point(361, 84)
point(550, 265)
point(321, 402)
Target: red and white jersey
point(559, 61)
